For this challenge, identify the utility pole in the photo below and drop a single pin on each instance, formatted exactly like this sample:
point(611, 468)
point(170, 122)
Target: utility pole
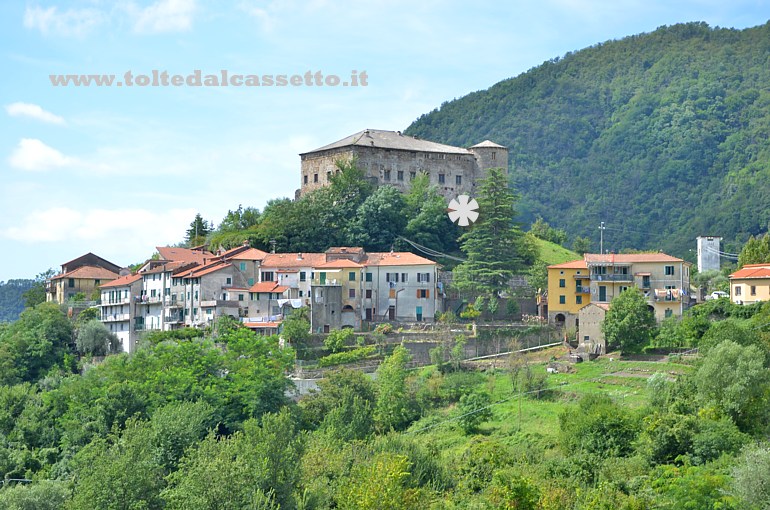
point(601, 238)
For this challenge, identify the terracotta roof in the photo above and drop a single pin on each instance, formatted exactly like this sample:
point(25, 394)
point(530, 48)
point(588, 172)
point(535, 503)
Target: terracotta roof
point(262, 325)
point(390, 140)
point(268, 287)
point(628, 258)
point(99, 262)
point(167, 266)
point(340, 263)
point(752, 271)
point(291, 260)
point(123, 280)
point(250, 254)
point(88, 272)
point(339, 250)
point(575, 264)
point(198, 271)
point(399, 258)
point(183, 254)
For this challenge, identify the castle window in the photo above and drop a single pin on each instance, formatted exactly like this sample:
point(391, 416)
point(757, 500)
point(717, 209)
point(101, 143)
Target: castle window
point(441, 178)
point(458, 179)
point(412, 175)
point(315, 177)
point(400, 175)
point(328, 176)
point(305, 178)
point(386, 175)
point(493, 155)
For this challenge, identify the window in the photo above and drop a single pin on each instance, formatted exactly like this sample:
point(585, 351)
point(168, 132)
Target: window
point(300, 294)
point(97, 281)
point(669, 312)
point(351, 293)
point(391, 277)
point(441, 178)
point(737, 291)
point(251, 282)
point(578, 300)
point(412, 175)
point(302, 276)
point(400, 175)
point(304, 177)
point(423, 293)
point(423, 277)
point(242, 265)
point(152, 293)
point(328, 176)
point(458, 179)
point(71, 283)
point(753, 290)
point(493, 155)
point(386, 175)
point(669, 270)
point(368, 293)
point(351, 276)
point(562, 300)
point(228, 281)
point(368, 277)
point(404, 277)
point(267, 276)
point(315, 177)
point(240, 297)
point(562, 283)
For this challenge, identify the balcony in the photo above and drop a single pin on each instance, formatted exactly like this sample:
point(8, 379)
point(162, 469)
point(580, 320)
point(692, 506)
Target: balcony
point(612, 277)
point(173, 319)
point(171, 301)
point(147, 299)
point(116, 301)
point(115, 317)
point(667, 295)
point(582, 290)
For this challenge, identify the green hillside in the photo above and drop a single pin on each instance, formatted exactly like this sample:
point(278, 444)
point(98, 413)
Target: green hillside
point(552, 253)
point(663, 136)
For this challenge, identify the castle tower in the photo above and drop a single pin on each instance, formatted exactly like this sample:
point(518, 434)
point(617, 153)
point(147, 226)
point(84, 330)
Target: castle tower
point(489, 155)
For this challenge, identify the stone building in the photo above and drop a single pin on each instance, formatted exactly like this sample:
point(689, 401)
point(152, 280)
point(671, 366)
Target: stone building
point(390, 157)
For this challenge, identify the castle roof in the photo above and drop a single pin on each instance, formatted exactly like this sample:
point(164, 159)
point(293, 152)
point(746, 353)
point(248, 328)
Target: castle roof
point(390, 140)
point(488, 144)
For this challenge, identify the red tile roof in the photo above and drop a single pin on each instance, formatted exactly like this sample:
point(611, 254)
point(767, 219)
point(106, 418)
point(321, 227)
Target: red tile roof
point(399, 258)
point(123, 280)
point(88, 272)
point(628, 258)
point(183, 254)
point(752, 271)
point(250, 254)
point(268, 287)
point(291, 260)
point(575, 264)
point(198, 271)
point(162, 267)
point(262, 325)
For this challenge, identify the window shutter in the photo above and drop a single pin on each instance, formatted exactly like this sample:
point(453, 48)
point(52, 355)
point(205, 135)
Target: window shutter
point(427, 293)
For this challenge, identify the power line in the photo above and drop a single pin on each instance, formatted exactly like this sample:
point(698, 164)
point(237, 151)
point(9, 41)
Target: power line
point(430, 251)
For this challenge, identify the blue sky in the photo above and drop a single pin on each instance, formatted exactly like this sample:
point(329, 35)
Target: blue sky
point(119, 170)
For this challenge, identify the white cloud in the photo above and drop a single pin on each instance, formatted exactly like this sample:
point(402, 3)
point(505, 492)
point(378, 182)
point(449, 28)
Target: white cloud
point(72, 22)
point(32, 154)
point(164, 16)
point(122, 235)
point(34, 111)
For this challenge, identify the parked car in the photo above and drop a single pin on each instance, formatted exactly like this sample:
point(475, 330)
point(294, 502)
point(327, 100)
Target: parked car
point(718, 294)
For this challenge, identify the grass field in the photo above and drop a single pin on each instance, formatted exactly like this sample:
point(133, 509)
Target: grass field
point(623, 381)
point(551, 253)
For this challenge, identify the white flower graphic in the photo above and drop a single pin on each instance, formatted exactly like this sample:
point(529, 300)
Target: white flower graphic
point(463, 210)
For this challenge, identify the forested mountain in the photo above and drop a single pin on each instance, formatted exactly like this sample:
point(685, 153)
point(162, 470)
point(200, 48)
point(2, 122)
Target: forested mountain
point(664, 136)
point(11, 298)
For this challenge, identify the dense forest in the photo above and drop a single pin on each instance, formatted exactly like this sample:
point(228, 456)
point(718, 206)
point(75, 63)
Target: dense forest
point(12, 298)
point(663, 136)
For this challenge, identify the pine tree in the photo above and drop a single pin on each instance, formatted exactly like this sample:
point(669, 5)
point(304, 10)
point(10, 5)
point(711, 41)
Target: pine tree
point(199, 229)
point(495, 246)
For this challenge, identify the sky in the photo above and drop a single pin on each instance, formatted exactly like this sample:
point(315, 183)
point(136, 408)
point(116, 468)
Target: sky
point(118, 170)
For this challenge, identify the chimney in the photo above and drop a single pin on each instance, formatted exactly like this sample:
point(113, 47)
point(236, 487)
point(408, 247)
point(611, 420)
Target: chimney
point(245, 242)
point(299, 256)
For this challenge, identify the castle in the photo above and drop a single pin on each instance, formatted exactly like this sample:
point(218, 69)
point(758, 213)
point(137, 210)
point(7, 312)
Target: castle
point(390, 157)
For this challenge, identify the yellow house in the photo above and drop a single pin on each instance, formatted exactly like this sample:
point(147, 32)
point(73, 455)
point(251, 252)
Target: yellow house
point(750, 284)
point(82, 275)
point(568, 291)
point(599, 278)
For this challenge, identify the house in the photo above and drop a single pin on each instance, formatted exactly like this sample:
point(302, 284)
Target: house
point(82, 275)
point(598, 278)
point(390, 157)
point(293, 270)
point(591, 336)
point(266, 300)
point(400, 286)
point(337, 292)
point(210, 291)
point(118, 310)
point(750, 284)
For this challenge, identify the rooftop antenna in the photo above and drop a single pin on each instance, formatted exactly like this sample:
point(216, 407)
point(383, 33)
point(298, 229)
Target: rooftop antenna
point(601, 238)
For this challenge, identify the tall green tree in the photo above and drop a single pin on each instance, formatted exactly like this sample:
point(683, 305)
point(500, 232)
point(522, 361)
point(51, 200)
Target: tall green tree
point(395, 407)
point(629, 322)
point(198, 231)
point(495, 245)
point(36, 294)
point(755, 251)
point(379, 220)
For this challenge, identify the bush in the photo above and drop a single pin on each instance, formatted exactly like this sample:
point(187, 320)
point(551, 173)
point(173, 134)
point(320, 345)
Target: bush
point(337, 339)
point(384, 329)
point(474, 410)
point(94, 338)
point(344, 357)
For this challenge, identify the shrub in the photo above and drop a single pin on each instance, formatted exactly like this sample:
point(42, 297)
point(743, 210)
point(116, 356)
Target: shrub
point(344, 357)
point(384, 328)
point(337, 339)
